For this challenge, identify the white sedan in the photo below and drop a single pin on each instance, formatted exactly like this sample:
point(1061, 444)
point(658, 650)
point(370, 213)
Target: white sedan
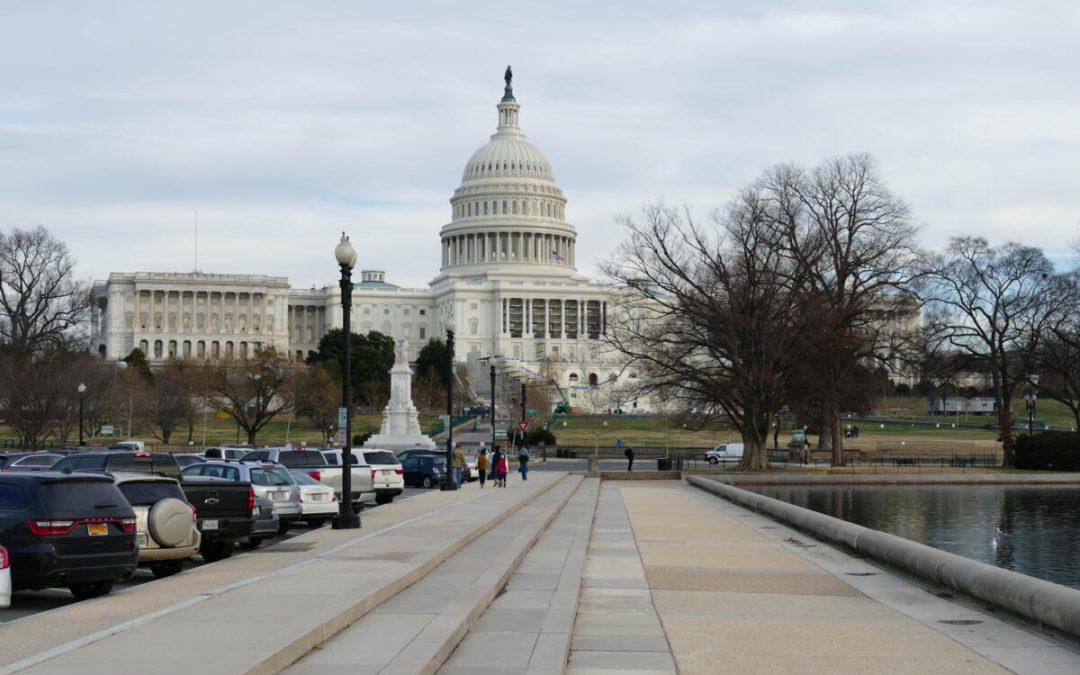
point(318, 502)
point(5, 578)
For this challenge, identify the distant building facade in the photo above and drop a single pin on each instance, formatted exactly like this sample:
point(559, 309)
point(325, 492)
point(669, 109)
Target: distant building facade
point(507, 283)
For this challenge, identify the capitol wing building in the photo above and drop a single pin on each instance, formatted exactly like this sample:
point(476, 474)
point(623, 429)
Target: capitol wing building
point(508, 284)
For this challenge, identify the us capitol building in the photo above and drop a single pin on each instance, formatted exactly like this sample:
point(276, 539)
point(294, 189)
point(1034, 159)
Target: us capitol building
point(508, 284)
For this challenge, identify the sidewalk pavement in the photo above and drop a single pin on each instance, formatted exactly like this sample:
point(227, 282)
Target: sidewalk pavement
point(673, 580)
point(737, 592)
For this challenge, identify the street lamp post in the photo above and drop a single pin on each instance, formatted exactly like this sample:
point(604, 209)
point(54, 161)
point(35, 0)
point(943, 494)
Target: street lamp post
point(1029, 398)
point(523, 441)
point(493, 361)
point(346, 258)
point(450, 484)
point(82, 390)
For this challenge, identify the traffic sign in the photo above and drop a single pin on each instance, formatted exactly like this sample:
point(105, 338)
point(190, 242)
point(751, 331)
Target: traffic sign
point(523, 425)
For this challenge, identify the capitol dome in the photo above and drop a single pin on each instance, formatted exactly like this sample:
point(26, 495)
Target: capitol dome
point(508, 208)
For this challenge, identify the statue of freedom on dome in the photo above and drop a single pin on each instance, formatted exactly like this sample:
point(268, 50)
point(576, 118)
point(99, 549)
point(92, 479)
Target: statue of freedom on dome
point(509, 75)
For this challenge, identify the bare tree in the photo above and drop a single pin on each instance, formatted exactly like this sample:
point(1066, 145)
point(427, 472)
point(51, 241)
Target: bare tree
point(316, 397)
point(251, 391)
point(42, 305)
point(172, 402)
point(711, 316)
point(996, 305)
point(853, 240)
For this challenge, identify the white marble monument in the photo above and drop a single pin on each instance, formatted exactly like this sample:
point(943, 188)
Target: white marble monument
point(401, 423)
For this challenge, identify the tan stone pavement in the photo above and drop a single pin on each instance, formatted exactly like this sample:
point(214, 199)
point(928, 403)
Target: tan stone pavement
point(732, 600)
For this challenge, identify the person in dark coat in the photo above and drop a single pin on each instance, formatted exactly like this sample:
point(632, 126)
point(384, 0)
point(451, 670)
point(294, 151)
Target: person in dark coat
point(629, 452)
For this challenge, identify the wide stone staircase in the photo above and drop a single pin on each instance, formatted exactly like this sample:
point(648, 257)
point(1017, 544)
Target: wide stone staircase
point(399, 596)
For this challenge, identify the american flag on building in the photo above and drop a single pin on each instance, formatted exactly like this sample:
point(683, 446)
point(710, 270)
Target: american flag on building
point(555, 254)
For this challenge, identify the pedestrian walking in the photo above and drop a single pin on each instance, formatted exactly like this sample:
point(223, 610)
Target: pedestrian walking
point(504, 468)
point(482, 465)
point(629, 452)
point(493, 471)
point(523, 462)
point(459, 464)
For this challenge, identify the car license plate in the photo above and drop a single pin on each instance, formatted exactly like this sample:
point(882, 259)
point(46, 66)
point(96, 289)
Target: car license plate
point(97, 529)
point(387, 472)
point(141, 539)
point(209, 525)
point(317, 498)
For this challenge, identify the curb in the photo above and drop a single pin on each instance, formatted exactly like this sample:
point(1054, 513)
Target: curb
point(1041, 601)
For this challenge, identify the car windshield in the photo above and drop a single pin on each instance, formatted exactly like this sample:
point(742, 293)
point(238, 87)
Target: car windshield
point(271, 477)
point(380, 458)
point(303, 479)
point(214, 471)
point(149, 493)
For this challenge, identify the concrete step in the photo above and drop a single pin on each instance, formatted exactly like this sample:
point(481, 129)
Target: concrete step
point(532, 621)
point(417, 629)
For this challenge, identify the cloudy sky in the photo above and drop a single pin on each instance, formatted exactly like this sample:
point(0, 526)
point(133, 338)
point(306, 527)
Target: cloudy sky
point(284, 123)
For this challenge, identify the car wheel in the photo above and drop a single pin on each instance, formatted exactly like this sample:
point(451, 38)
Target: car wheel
point(166, 568)
point(427, 482)
point(91, 589)
point(384, 499)
point(316, 522)
point(713, 460)
point(217, 550)
point(251, 544)
point(283, 527)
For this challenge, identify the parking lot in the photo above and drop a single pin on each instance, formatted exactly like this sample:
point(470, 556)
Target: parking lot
point(30, 603)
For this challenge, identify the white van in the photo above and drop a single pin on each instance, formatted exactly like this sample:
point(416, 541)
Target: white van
point(725, 452)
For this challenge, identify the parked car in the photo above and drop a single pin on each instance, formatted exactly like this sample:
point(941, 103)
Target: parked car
point(226, 452)
point(185, 459)
point(165, 525)
point(107, 461)
point(415, 452)
point(424, 470)
point(386, 473)
point(265, 525)
point(5, 578)
point(317, 501)
point(363, 484)
point(267, 480)
point(28, 461)
point(223, 512)
point(725, 452)
point(130, 446)
point(73, 530)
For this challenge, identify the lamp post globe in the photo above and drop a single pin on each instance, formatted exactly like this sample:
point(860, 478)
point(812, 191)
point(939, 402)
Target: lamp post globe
point(451, 482)
point(345, 255)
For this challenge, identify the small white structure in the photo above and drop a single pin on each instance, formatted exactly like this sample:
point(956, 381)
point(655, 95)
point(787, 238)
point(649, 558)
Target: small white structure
point(401, 423)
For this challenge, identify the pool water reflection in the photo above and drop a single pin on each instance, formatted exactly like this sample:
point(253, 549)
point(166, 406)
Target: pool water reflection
point(1032, 530)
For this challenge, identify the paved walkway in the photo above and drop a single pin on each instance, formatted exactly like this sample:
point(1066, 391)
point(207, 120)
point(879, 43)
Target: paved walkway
point(737, 592)
point(643, 577)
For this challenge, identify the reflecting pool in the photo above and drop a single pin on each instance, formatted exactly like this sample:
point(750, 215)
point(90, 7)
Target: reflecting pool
point(1033, 530)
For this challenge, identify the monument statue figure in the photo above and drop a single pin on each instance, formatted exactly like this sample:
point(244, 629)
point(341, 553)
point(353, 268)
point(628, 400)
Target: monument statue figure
point(401, 351)
point(509, 75)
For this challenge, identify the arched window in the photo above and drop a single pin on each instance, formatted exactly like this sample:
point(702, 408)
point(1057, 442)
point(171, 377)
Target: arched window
point(593, 380)
point(573, 378)
point(157, 349)
point(144, 347)
point(485, 208)
point(504, 207)
point(215, 349)
point(514, 206)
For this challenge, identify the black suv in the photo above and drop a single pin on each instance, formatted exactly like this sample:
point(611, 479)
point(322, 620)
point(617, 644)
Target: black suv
point(158, 463)
point(74, 530)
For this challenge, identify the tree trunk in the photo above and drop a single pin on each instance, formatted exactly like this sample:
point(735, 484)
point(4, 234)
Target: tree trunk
point(837, 437)
point(251, 436)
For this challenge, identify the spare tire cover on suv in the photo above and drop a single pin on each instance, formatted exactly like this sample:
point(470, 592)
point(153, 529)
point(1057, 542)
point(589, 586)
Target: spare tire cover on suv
point(169, 522)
